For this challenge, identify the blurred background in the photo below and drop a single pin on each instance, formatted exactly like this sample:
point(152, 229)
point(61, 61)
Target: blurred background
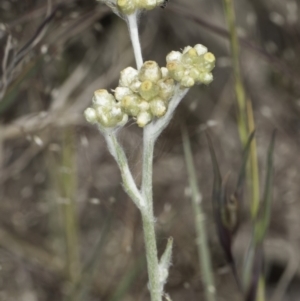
point(68, 231)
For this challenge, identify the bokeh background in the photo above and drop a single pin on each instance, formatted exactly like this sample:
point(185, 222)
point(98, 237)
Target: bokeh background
point(67, 229)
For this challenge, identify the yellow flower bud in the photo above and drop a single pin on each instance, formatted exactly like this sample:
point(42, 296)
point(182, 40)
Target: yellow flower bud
point(189, 56)
point(148, 90)
point(194, 73)
point(187, 82)
point(209, 61)
point(126, 6)
point(130, 104)
point(176, 70)
point(150, 71)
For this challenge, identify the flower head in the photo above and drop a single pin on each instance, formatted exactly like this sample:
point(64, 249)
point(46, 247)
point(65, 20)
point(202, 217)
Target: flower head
point(191, 66)
point(105, 110)
point(145, 94)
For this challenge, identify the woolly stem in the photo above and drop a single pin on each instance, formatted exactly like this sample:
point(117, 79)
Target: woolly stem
point(134, 36)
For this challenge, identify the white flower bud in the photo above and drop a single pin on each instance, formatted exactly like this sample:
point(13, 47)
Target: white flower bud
point(103, 98)
point(90, 115)
point(116, 112)
point(200, 49)
point(150, 71)
point(173, 56)
point(164, 72)
point(121, 92)
point(128, 76)
point(143, 119)
point(158, 107)
point(135, 86)
point(167, 87)
point(109, 116)
point(186, 49)
point(102, 117)
point(206, 78)
point(144, 106)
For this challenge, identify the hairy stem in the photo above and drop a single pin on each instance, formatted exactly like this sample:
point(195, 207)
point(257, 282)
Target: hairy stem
point(129, 185)
point(148, 218)
point(143, 201)
point(148, 149)
point(152, 259)
point(135, 40)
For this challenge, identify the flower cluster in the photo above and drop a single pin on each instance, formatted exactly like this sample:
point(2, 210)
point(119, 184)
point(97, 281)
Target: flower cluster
point(130, 6)
point(145, 94)
point(192, 66)
point(142, 94)
point(105, 110)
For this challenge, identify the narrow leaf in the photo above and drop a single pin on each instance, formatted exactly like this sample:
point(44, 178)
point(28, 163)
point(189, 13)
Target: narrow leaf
point(255, 272)
point(242, 173)
point(217, 174)
point(219, 207)
point(263, 218)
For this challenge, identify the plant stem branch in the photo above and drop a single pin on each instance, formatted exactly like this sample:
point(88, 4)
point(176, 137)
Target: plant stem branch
point(202, 241)
point(129, 184)
point(148, 150)
point(135, 40)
